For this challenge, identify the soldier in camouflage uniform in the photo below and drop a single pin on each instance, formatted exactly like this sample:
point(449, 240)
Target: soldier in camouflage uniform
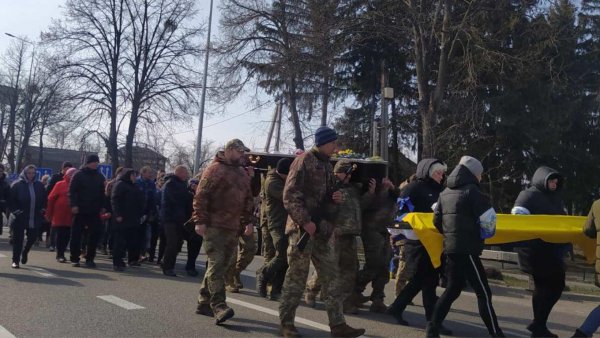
point(306, 194)
point(376, 242)
point(241, 258)
point(347, 223)
point(273, 272)
point(222, 199)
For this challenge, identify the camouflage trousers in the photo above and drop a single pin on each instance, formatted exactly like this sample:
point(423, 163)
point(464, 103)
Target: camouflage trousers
point(275, 269)
point(401, 275)
point(346, 256)
point(242, 256)
point(268, 248)
point(220, 246)
point(321, 253)
point(378, 253)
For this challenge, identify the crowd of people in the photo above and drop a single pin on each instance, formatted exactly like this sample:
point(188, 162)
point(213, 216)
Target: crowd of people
point(307, 211)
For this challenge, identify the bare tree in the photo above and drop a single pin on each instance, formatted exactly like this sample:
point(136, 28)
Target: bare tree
point(160, 60)
point(91, 38)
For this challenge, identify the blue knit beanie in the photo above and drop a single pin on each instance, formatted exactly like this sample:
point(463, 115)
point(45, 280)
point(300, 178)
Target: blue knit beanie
point(324, 135)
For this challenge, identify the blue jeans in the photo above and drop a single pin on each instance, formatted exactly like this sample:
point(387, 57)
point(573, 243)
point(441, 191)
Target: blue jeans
point(592, 322)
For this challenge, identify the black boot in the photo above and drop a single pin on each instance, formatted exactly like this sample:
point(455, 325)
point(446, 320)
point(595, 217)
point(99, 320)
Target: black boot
point(432, 330)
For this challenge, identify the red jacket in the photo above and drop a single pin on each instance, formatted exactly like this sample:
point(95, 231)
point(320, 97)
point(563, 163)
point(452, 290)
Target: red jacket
point(59, 210)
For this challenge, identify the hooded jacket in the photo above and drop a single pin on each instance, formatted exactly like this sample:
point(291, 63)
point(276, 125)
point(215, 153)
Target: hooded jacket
point(86, 191)
point(424, 191)
point(27, 200)
point(223, 198)
point(176, 200)
point(538, 200)
point(59, 211)
point(458, 210)
point(127, 200)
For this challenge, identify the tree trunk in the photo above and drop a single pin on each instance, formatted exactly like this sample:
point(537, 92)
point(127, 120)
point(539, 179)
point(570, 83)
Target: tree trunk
point(325, 95)
point(133, 121)
point(298, 139)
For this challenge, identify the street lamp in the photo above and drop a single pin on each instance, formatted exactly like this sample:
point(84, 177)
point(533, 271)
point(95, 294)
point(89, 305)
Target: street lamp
point(203, 98)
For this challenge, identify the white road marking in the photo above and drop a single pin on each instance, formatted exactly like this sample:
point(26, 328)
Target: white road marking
point(276, 314)
point(41, 272)
point(2, 255)
point(4, 333)
point(121, 302)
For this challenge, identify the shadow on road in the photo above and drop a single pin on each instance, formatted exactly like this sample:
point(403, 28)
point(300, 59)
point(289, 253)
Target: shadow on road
point(254, 326)
point(41, 280)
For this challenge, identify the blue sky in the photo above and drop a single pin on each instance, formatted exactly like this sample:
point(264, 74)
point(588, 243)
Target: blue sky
point(241, 119)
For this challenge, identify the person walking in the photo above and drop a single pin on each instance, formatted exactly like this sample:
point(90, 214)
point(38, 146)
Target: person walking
point(4, 197)
point(420, 196)
point(127, 203)
point(26, 202)
point(542, 260)
point(223, 204)
point(59, 214)
point(275, 215)
point(591, 229)
point(175, 211)
point(307, 193)
point(146, 184)
point(464, 215)
point(87, 200)
point(54, 179)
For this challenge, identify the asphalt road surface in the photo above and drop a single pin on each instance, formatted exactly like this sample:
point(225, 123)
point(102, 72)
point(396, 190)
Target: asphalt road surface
point(47, 299)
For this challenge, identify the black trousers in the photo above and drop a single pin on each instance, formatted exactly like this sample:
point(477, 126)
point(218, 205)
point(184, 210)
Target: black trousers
point(19, 231)
point(424, 279)
point(549, 285)
point(88, 225)
point(175, 235)
point(459, 269)
point(124, 239)
point(62, 234)
point(155, 234)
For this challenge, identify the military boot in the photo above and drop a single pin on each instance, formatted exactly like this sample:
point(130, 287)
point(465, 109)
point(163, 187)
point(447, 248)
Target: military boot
point(377, 306)
point(310, 298)
point(261, 283)
point(343, 330)
point(358, 299)
point(289, 331)
point(222, 313)
point(237, 279)
point(230, 285)
point(205, 310)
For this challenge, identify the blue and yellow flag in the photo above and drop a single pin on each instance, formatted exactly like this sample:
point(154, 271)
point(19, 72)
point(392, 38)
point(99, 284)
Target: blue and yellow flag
point(509, 229)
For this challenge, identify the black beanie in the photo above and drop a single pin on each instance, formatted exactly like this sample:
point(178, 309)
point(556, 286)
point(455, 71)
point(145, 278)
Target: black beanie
point(67, 164)
point(92, 158)
point(324, 135)
point(283, 166)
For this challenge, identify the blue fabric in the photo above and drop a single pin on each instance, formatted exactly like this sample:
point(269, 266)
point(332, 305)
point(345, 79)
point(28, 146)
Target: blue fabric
point(592, 322)
point(148, 188)
point(402, 204)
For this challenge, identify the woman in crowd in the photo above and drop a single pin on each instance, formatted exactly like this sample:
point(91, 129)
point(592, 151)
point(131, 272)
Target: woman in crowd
point(59, 214)
point(27, 199)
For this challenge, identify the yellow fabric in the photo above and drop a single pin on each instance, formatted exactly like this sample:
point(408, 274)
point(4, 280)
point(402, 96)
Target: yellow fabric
point(512, 228)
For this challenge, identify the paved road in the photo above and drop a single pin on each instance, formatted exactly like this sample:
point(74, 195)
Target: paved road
point(49, 299)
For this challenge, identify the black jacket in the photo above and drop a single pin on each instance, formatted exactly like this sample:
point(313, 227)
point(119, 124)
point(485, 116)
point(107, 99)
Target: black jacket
point(423, 192)
point(458, 210)
point(176, 200)
point(20, 202)
point(4, 193)
point(86, 191)
point(53, 180)
point(127, 200)
point(538, 200)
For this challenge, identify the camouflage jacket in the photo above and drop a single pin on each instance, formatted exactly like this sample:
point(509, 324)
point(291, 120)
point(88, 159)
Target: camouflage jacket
point(348, 214)
point(223, 196)
point(306, 189)
point(381, 212)
point(275, 210)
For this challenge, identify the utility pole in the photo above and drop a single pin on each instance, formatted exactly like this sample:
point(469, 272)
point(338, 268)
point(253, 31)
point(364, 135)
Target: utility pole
point(272, 128)
point(203, 98)
point(386, 93)
point(278, 129)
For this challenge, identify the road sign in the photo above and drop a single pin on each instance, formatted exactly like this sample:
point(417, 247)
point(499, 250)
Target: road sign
point(106, 170)
point(39, 172)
